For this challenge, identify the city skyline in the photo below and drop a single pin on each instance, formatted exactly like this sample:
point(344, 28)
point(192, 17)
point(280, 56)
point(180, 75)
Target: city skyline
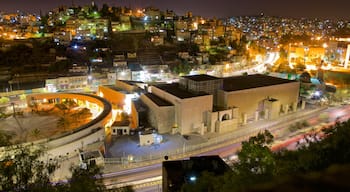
point(222, 8)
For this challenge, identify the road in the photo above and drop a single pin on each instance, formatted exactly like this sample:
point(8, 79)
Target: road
point(299, 139)
point(148, 178)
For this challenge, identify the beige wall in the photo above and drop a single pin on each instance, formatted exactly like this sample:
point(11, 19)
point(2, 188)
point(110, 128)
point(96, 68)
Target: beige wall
point(190, 113)
point(217, 124)
point(71, 147)
point(248, 100)
point(226, 126)
point(211, 120)
point(160, 117)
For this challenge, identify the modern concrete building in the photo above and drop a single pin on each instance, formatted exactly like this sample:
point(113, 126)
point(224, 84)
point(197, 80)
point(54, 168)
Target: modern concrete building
point(160, 112)
point(121, 101)
point(259, 96)
point(91, 158)
point(202, 83)
point(189, 108)
point(122, 96)
point(203, 104)
point(66, 83)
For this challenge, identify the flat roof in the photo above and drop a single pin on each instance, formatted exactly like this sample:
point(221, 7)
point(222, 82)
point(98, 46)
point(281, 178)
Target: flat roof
point(129, 82)
point(90, 155)
point(121, 123)
point(157, 100)
point(179, 172)
point(251, 81)
point(175, 90)
point(201, 77)
point(113, 87)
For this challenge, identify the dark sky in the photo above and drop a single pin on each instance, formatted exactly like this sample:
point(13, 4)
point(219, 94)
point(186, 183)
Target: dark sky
point(333, 9)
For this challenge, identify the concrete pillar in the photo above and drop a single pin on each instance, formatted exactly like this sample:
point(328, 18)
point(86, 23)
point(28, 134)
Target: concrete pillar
point(285, 108)
point(202, 129)
point(175, 129)
point(245, 118)
point(295, 106)
point(235, 113)
point(266, 114)
point(256, 117)
point(302, 104)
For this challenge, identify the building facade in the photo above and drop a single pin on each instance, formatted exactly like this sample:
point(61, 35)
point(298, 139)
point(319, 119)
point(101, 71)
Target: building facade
point(205, 104)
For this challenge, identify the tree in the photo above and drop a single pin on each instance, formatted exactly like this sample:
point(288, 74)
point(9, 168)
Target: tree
point(256, 164)
point(86, 179)
point(89, 180)
point(63, 122)
point(62, 107)
point(60, 66)
point(256, 160)
point(4, 100)
point(35, 133)
point(258, 168)
point(65, 107)
point(5, 138)
point(21, 170)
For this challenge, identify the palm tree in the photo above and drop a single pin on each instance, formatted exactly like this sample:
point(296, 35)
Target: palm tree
point(35, 133)
point(63, 122)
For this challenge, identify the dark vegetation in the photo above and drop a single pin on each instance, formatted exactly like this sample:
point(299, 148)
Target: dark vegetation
point(320, 165)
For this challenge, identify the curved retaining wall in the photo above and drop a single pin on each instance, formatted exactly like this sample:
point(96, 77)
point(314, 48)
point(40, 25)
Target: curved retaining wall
point(68, 143)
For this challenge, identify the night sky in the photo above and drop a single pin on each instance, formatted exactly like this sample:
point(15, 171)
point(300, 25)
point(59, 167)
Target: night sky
point(332, 9)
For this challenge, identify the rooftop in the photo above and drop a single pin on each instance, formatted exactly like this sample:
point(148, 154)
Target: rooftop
point(175, 90)
point(184, 171)
point(202, 77)
point(90, 155)
point(113, 87)
point(251, 81)
point(121, 123)
point(129, 82)
point(157, 100)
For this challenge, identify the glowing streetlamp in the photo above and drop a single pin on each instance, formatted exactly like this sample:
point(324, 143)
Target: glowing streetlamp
point(325, 45)
point(306, 49)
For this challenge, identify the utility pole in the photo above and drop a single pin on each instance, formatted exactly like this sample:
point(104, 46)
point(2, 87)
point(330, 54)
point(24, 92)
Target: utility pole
point(13, 108)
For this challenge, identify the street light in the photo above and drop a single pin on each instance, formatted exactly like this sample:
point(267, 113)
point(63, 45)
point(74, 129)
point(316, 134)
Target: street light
point(325, 45)
point(89, 79)
point(306, 49)
point(13, 108)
